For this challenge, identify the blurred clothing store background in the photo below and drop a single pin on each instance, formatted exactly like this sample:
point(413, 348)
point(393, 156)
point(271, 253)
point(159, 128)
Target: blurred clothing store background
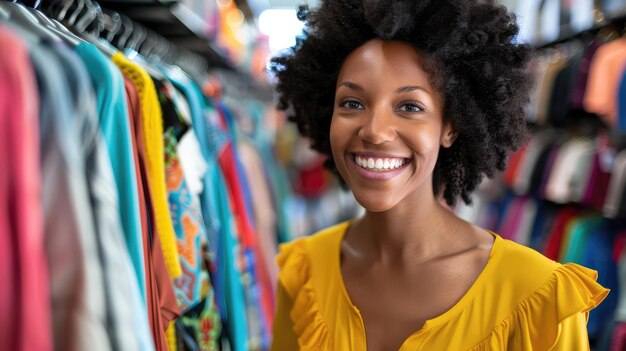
point(148, 178)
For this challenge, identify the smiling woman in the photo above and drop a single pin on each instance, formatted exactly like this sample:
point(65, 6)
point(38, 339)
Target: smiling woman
point(414, 103)
point(387, 112)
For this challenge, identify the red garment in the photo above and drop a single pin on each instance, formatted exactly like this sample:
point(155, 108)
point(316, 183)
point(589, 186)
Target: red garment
point(598, 184)
point(514, 166)
point(25, 322)
point(618, 246)
point(161, 301)
point(311, 182)
point(248, 235)
point(555, 238)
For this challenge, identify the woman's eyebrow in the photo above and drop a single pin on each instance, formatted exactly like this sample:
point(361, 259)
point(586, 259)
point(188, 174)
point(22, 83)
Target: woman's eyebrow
point(409, 88)
point(352, 86)
point(404, 89)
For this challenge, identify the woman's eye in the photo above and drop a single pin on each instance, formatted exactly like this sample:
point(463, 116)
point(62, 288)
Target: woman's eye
point(410, 107)
point(353, 105)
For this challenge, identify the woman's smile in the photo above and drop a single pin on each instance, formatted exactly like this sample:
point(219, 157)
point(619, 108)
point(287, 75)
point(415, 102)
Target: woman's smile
point(373, 166)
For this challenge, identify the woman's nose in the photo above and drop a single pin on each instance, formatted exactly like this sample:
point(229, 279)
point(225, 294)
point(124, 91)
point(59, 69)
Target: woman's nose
point(377, 127)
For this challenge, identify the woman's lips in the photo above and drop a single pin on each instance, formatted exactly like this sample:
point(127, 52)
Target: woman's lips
point(377, 167)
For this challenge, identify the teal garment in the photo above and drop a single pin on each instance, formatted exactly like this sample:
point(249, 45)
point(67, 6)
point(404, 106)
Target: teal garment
point(277, 176)
point(218, 218)
point(229, 253)
point(127, 322)
point(580, 230)
point(108, 83)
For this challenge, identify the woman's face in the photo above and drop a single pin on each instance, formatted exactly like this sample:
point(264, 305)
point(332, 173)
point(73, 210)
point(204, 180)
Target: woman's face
point(387, 125)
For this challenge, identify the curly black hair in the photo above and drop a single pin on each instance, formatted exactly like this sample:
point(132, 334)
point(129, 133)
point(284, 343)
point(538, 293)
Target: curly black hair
point(479, 71)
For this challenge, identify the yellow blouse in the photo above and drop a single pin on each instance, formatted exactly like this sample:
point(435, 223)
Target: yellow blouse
point(520, 301)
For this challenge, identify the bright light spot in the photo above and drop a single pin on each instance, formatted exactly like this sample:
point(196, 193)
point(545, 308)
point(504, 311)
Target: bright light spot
point(224, 3)
point(281, 26)
point(235, 18)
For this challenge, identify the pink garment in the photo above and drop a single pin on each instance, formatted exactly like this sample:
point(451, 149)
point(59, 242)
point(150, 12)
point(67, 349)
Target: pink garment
point(24, 293)
point(618, 343)
point(607, 68)
point(510, 226)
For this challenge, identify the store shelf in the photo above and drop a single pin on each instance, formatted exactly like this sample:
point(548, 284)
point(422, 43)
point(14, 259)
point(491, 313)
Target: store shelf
point(175, 22)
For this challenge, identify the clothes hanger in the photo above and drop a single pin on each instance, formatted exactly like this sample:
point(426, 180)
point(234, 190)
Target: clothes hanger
point(63, 10)
point(19, 15)
point(91, 25)
point(127, 25)
point(79, 7)
point(137, 37)
point(112, 24)
point(86, 17)
point(68, 37)
point(147, 44)
point(132, 51)
point(161, 50)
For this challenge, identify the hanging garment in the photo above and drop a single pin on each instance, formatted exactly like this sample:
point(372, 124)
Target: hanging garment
point(194, 286)
point(580, 87)
point(618, 342)
point(539, 142)
point(25, 321)
point(127, 324)
point(617, 187)
point(575, 238)
point(153, 143)
point(216, 205)
point(152, 124)
point(559, 104)
point(555, 238)
point(557, 62)
point(189, 228)
point(76, 276)
point(560, 185)
point(109, 88)
point(161, 301)
point(259, 305)
point(599, 177)
point(597, 256)
point(607, 68)
point(264, 211)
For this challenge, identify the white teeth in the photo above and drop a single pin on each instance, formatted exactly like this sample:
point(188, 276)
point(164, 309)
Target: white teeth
point(379, 164)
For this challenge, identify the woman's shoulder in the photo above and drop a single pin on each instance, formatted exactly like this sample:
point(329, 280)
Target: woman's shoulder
point(296, 258)
point(524, 292)
point(520, 272)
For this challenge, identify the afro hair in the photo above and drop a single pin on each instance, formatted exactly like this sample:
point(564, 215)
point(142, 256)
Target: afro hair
point(479, 71)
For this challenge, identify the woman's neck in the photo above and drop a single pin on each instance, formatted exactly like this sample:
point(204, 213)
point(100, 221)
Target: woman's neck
point(414, 231)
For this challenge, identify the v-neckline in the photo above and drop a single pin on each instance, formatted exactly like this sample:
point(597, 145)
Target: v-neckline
point(490, 266)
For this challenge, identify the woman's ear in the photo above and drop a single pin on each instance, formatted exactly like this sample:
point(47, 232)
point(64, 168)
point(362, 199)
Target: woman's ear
point(449, 135)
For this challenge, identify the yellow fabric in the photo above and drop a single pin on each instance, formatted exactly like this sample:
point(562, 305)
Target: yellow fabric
point(153, 141)
point(170, 337)
point(521, 301)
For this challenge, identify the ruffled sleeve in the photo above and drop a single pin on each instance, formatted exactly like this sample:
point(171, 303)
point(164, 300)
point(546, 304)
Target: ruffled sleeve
point(295, 277)
point(549, 313)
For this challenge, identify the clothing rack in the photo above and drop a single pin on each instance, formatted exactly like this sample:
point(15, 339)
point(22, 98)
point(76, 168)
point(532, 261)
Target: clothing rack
point(568, 34)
